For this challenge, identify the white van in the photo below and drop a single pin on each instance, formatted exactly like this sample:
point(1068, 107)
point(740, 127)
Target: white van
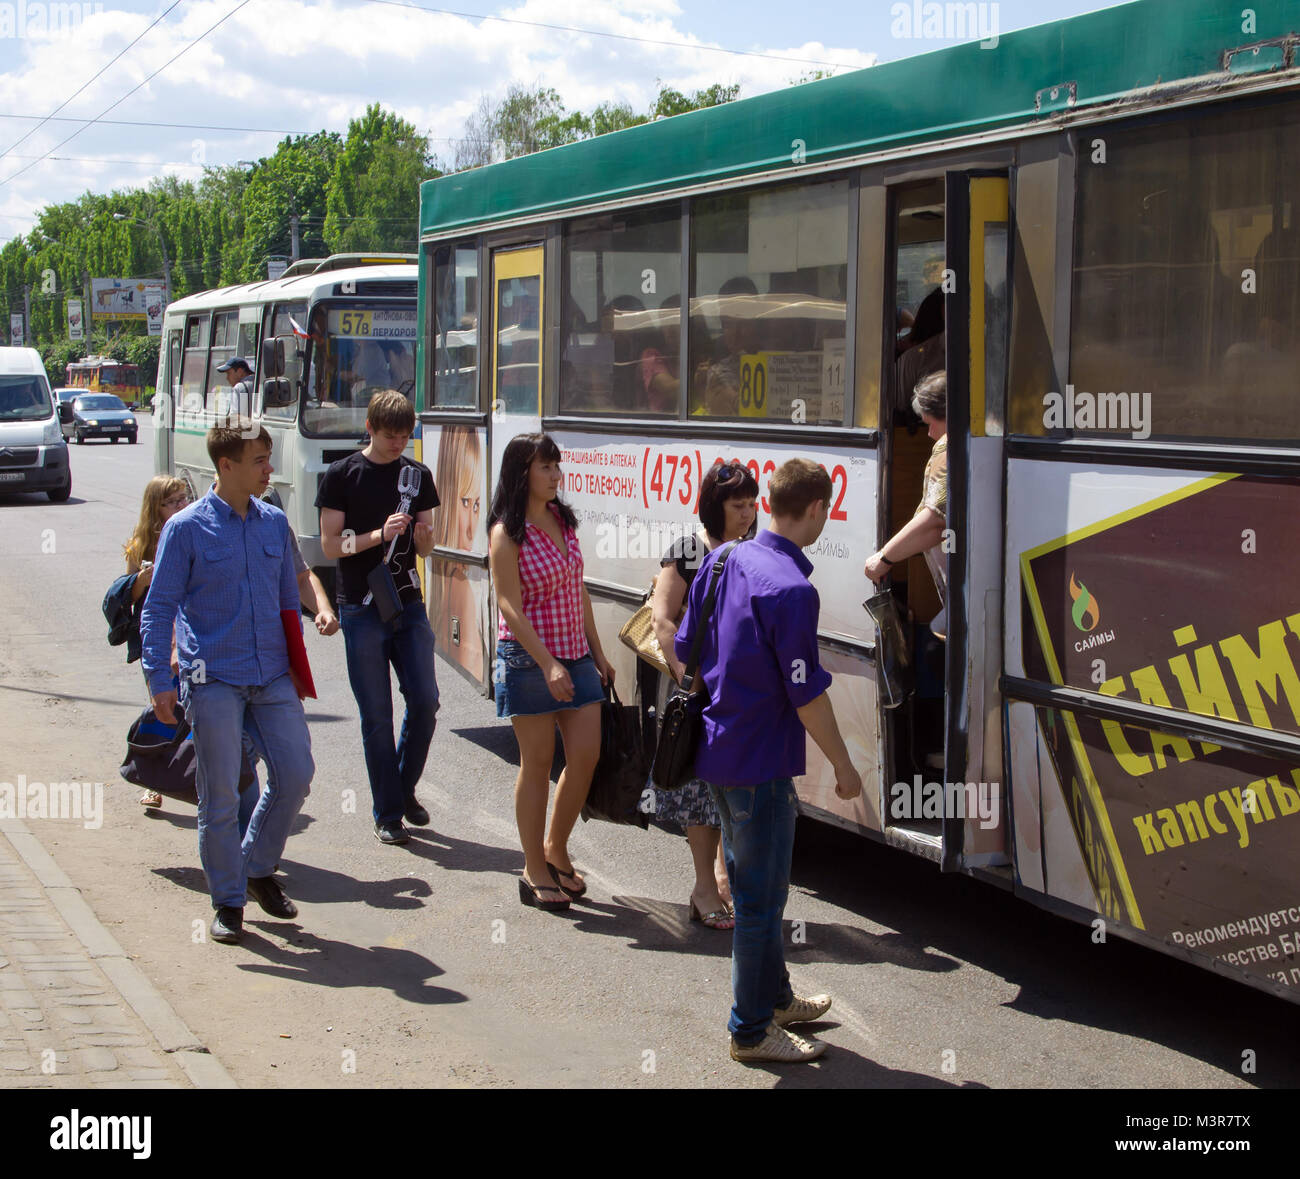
point(33, 453)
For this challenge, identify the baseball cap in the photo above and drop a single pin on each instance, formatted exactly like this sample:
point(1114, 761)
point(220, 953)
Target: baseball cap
point(234, 360)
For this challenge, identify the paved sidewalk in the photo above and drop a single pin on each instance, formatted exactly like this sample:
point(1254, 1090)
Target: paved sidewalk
point(75, 1011)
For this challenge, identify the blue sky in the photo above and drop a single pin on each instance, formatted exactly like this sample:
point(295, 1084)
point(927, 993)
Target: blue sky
point(278, 66)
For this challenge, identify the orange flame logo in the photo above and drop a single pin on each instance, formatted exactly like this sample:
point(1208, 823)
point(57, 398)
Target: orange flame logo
point(1085, 606)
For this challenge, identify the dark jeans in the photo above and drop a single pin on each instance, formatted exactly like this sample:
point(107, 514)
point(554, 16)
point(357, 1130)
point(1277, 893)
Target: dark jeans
point(372, 646)
point(757, 844)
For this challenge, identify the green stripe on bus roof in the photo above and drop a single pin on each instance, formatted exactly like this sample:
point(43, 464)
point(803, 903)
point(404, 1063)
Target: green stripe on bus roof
point(961, 90)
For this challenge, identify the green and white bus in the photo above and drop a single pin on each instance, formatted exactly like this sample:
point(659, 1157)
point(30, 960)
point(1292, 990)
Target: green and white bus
point(321, 339)
point(1094, 227)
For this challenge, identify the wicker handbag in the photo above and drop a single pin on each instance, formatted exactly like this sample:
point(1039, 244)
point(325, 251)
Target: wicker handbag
point(638, 633)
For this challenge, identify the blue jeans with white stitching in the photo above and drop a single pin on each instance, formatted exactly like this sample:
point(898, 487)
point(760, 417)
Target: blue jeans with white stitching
point(758, 825)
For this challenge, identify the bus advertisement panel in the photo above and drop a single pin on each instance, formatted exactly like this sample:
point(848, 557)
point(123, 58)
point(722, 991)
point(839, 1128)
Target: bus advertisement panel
point(634, 498)
point(1185, 839)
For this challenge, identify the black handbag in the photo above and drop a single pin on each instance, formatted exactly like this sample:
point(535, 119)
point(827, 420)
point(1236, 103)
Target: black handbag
point(383, 592)
point(161, 757)
point(383, 589)
point(620, 775)
point(683, 716)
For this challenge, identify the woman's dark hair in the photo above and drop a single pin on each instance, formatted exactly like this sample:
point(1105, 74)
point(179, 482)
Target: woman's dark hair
point(724, 481)
point(510, 500)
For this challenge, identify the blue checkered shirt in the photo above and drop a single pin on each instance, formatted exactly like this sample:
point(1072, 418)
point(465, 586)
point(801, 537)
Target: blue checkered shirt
point(223, 581)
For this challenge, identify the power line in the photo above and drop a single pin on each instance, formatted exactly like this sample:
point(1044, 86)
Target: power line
point(148, 123)
point(100, 74)
point(534, 24)
point(130, 92)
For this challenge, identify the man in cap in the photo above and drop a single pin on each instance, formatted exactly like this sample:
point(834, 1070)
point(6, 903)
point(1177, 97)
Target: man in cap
point(238, 403)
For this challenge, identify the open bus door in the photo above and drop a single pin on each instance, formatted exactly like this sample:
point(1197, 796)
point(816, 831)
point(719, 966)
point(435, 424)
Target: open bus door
point(942, 777)
point(977, 303)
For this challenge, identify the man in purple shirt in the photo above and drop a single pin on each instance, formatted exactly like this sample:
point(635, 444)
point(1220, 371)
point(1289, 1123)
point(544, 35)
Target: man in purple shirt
point(767, 690)
point(223, 576)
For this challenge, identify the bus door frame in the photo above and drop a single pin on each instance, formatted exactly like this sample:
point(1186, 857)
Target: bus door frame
point(973, 751)
point(164, 449)
point(540, 243)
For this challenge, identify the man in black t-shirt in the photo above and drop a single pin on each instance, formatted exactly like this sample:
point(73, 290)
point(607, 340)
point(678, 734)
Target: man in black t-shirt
point(360, 517)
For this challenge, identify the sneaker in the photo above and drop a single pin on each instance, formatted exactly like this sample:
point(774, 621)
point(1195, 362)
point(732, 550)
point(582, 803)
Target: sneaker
point(391, 833)
point(800, 1010)
point(268, 893)
point(228, 925)
point(778, 1045)
point(416, 815)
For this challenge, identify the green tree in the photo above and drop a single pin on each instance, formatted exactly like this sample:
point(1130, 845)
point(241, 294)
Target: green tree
point(374, 191)
point(294, 181)
point(673, 102)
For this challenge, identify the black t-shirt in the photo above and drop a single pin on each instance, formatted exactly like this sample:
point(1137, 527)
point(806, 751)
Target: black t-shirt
point(687, 553)
point(366, 494)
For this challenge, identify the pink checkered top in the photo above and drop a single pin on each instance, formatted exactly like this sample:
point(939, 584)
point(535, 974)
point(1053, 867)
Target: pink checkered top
point(551, 585)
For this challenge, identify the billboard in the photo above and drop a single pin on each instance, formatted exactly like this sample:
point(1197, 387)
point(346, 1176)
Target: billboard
point(76, 322)
point(119, 299)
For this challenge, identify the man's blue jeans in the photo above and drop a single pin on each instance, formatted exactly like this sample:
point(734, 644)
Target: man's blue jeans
point(371, 646)
point(272, 717)
point(757, 844)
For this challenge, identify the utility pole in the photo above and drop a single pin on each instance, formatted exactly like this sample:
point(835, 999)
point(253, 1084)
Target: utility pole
point(27, 313)
point(293, 229)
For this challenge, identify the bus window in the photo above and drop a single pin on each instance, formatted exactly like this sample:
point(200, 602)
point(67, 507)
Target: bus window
point(280, 394)
point(919, 336)
point(621, 345)
point(1186, 302)
point(357, 350)
point(455, 332)
point(225, 332)
point(194, 366)
point(769, 277)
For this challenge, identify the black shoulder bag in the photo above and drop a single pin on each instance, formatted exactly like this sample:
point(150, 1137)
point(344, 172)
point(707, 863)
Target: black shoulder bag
point(382, 587)
point(682, 720)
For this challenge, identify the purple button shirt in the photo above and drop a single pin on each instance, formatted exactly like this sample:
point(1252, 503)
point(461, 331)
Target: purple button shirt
point(759, 662)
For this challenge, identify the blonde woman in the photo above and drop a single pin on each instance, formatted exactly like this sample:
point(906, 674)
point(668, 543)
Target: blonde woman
point(164, 496)
point(455, 526)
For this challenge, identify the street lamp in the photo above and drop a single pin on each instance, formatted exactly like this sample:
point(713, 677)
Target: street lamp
point(162, 244)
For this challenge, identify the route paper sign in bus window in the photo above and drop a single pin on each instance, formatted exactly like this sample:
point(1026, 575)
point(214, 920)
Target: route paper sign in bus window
point(389, 323)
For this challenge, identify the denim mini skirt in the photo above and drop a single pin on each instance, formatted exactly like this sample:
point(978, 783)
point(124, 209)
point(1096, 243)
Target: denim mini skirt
point(521, 685)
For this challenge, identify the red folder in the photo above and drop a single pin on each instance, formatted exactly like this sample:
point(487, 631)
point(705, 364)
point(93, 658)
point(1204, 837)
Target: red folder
point(299, 667)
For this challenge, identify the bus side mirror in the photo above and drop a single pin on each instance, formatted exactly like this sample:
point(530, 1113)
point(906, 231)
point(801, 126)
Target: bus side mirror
point(273, 358)
point(277, 393)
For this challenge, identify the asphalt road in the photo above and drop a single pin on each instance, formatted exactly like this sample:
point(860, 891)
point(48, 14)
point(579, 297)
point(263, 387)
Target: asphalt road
point(418, 966)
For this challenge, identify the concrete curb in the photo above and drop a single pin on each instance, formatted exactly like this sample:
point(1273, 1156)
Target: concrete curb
point(174, 1038)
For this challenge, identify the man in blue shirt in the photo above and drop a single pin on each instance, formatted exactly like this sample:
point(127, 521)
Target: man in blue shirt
point(223, 574)
point(767, 691)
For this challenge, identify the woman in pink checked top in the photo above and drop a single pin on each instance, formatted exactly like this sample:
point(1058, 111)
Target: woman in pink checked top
point(549, 668)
